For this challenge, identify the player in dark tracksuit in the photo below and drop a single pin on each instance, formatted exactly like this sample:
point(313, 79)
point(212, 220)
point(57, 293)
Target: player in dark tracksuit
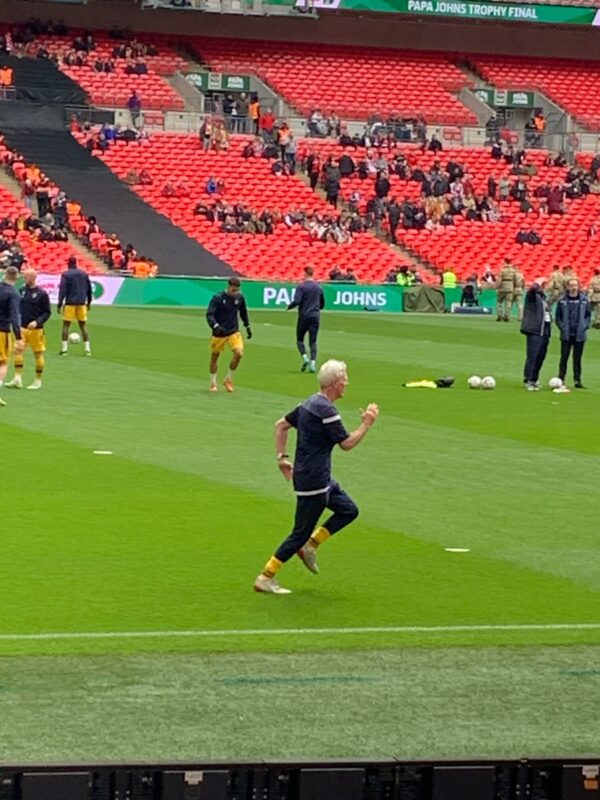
point(319, 429)
point(309, 300)
point(35, 313)
point(10, 321)
point(222, 316)
point(74, 301)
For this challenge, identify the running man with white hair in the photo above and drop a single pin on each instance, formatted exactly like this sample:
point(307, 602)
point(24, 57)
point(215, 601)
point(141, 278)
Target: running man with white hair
point(319, 428)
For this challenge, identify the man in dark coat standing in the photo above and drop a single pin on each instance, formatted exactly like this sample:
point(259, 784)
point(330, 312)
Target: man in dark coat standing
point(573, 317)
point(535, 325)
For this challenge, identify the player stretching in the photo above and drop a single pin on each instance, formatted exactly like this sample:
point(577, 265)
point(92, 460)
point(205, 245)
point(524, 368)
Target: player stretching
point(74, 300)
point(35, 313)
point(10, 321)
point(309, 300)
point(319, 428)
point(222, 317)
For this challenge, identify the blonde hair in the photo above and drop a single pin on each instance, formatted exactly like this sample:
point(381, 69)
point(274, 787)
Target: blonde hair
point(331, 371)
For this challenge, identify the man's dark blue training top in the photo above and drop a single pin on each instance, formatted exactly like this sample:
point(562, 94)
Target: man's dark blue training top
point(10, 316)
point(35, 306)
point(319, 428)
point(309, 299)
point(75, 288)
point(223, 311)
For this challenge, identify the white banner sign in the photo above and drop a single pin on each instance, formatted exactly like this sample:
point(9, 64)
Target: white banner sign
point(105, 288)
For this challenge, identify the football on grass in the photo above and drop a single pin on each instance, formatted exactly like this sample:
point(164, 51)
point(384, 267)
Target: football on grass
point(474, 382)
point(74, 338)
point(488, 382)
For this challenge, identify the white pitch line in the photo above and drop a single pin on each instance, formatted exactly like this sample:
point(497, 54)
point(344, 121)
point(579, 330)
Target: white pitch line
point(23, 637)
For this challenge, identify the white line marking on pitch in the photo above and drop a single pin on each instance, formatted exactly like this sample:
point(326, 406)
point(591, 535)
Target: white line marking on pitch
point(23, 637)
point(103, 452)
point(457, 549)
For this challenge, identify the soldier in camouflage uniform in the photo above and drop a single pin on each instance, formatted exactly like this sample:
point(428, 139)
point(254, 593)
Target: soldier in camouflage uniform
point(518, 295)
point(594, 297)
point(505, 291)
point(556, 286)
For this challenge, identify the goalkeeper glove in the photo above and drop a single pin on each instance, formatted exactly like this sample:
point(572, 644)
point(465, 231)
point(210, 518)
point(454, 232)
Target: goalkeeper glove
point(248, 332)
point(218, 330)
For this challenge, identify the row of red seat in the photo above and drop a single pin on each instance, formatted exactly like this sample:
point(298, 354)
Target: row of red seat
point(468, 246)
point(173, 157)
point(49, 257)
point(353, 81)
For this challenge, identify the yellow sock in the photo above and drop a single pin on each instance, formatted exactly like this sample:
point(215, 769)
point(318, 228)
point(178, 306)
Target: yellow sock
point(40, 363)
point(18, 364)
point(272, 567)
point(319, 536)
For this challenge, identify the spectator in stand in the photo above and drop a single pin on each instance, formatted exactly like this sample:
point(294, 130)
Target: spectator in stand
point(290, 150)
point(267, 124)
point(229, 110)
point(28, 193)
point(334, 125)
point(313, 169)
point(221, 137)
point(106, 66)
point(346, 166)
point(113, 246)
point(382, 184)
point(317, 126)
point(555, 200)
point(254, 114)
point(206, 134)
point(212, 186)
point(394, 216)
point(283, 137)
point(242, 113)
point(332, 183)
point(6, 78)
point(435, 144)
point(134, 104)
point(59, 208)
point(42, 194)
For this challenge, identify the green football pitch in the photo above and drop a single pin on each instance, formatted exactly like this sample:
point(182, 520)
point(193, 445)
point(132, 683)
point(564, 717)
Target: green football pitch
point(128, 625)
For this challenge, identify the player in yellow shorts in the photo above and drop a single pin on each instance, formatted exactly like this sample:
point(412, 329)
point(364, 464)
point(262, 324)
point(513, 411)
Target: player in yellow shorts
point(35, 313)
point(75, 314)
point(10, 321)
point(74, 300)
point(222, 316)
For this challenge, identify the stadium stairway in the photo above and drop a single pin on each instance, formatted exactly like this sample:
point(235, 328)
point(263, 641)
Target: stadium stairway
point(101, 193)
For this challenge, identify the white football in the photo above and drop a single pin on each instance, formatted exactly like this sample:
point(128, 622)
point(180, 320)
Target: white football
point(555, 383)
point(474, 382)
point(74, 338)
point(488, 382)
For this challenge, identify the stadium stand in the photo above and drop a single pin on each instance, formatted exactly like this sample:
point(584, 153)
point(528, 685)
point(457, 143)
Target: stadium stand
point(469, 246)
point(178, 159)
point(356, 82)
point(48, 257)
point(115, 88)
point(573, 85)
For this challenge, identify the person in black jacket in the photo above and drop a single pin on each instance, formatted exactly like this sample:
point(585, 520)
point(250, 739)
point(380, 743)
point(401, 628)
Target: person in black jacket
point(535, 325)
point(309, 300)
point(74, 301)
point(222, 317)
point(10, 321)
point(573, 318)
point(35, 313)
